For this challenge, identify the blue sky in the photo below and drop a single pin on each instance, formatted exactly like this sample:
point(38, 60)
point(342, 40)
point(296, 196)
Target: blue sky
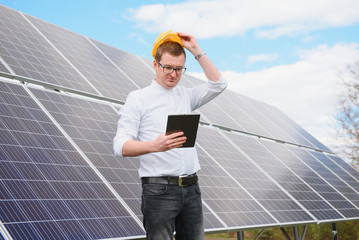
point(286, 53)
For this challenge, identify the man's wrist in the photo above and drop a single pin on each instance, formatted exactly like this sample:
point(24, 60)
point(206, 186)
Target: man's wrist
point(198, 56)
point(195, 51)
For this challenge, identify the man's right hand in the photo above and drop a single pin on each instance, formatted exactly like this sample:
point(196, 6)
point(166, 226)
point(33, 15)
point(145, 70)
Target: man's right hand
point(167, 142)
point(133, 148)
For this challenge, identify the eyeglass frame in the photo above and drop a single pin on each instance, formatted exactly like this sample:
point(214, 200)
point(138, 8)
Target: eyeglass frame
point(173, 69)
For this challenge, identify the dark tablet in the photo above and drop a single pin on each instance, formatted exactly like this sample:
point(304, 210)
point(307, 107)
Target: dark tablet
point(187, 123)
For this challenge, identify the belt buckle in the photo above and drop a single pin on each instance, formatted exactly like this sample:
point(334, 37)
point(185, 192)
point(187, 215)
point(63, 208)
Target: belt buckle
point(180, 178)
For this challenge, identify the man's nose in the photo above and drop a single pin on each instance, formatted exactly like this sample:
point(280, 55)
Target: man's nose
point(174, 73)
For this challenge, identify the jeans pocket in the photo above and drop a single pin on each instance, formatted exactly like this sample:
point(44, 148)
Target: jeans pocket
point(198, 190)
point(154, 189)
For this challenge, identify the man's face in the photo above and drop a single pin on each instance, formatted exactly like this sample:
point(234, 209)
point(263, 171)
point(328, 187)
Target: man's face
point(166, 80)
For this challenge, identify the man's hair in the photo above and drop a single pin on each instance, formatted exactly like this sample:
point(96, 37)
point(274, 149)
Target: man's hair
point(173, 48)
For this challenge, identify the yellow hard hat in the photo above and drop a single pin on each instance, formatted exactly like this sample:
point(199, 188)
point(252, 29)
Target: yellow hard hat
point(165, 37)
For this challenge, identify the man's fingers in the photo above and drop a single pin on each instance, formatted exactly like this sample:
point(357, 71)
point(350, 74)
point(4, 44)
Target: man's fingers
point(176, 140)
point(176, 135)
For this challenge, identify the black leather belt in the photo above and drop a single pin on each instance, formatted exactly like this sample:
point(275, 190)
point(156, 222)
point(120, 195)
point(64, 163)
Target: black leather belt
point(182, 181)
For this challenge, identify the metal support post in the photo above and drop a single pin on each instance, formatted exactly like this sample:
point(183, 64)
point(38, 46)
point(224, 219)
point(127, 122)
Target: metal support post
point(240, 235)
point(335, 232)
point(285, 233)
point(259, 234)
point(304, 232)
point(295, 233)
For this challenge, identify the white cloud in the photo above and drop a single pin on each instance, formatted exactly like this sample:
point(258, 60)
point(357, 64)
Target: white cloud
point(138, 38)
point(306, 91)
point(262, 57)
point(270, 19)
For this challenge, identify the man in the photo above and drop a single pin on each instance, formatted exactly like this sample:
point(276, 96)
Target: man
point(167, 206)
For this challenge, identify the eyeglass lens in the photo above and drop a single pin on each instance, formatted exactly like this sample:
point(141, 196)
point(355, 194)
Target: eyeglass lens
point(169, 69)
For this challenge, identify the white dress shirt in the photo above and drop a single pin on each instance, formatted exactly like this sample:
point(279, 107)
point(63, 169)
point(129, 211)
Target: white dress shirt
point(144, 118)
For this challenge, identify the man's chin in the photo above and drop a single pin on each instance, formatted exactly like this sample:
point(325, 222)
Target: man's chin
point(172, 83)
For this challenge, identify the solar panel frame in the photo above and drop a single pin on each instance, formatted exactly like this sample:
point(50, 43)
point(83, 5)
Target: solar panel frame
point(3, 68)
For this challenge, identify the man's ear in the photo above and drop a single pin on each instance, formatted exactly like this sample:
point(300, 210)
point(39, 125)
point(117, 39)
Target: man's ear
point(155, 65)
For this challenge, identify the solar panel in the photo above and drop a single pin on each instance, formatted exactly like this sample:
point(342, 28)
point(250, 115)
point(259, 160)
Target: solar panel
point(244, 173)
point(275, 122)
point(250, 116)
point(29, 55)
point(323, 170)
point(300, 135)
point(96, 68)
point(59, 178)
point(131, 65)
point(293, 157)
point(211, 221)
point(268, 158)
point(48, 191)
point(349, 169)
point(91, 125)
point(348, 179)
point(227, 199)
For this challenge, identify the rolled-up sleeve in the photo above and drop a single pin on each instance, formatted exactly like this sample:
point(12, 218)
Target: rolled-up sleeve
point(219, 86)
point(204, 93)
point(127, 125)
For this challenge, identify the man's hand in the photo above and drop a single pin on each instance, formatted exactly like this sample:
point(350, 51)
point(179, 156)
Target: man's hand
point(167, 142)
point(133, 148)
point(210, 70)
point(190, 43)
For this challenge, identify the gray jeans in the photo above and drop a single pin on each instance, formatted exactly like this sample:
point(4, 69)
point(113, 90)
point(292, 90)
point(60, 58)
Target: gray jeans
point(169, 208)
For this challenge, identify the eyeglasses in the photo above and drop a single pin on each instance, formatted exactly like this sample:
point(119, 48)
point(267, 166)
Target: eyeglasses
point(169, 69)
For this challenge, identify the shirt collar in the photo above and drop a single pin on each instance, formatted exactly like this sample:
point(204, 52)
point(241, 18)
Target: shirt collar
point(158, 87)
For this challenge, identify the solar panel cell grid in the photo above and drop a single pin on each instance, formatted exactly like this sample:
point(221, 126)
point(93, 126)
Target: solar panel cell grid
point(251, 178)
point(29, 55)
point(226, 198)
point(275, 124)
point(294, 160)
point(140, 74)
point(329, 176)
point(298, 133)
point(216, 115)
point(46, 183)
point(92, 125)
point(346, 167)
point(97, 69)
point(340, 172)
point(268, 161)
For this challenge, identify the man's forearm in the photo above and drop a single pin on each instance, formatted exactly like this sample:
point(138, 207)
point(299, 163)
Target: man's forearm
point(133, 148)
point(209, 69)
